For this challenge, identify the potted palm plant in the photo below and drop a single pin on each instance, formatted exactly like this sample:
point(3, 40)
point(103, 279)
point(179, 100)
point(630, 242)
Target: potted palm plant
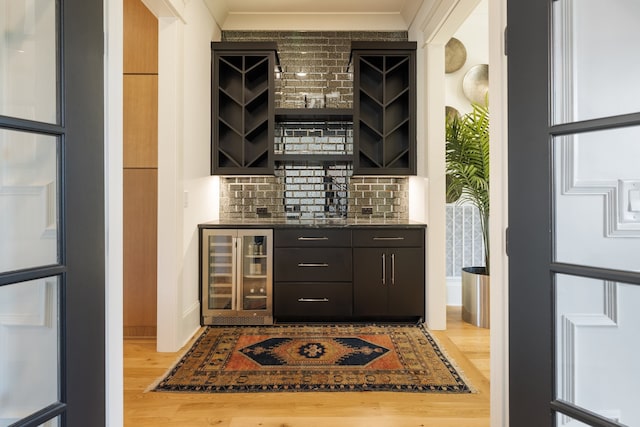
point(467, 169)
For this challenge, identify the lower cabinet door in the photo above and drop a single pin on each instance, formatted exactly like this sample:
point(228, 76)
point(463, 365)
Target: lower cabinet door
point(312, 300)
point(389, 282)
point(369, 282)
point(406, 282)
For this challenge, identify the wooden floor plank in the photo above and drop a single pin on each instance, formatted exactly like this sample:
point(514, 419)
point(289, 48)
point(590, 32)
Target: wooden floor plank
point(465, 344)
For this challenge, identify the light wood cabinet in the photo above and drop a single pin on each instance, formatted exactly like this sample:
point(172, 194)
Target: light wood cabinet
point(140, 149)
point(140, 249)
point(140, 38)
point(140, 121)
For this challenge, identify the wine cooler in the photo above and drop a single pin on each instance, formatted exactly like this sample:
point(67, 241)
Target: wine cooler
point(237, 278)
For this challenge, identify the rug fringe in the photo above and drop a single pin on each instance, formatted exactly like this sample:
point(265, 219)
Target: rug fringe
point(451, 360)
point(195, 337)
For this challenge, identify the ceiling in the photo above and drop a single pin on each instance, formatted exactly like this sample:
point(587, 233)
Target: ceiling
point(363, 15)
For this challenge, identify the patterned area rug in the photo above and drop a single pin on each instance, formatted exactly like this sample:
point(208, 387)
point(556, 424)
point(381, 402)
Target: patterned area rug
point(314, 358)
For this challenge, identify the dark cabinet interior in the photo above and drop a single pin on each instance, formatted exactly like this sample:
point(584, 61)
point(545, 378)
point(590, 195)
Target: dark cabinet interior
point(384, 108)
point(242, 108)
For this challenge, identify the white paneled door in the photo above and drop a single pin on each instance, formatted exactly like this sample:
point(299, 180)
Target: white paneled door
point(574, 212)
point(52, 370)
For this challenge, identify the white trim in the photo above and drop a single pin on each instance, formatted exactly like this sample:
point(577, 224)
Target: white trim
point(166, 8)
point(615, 222)
point(611, 301)
point(499, 219)
point(570, 324)
point(41, 315)
point(563, 63)
point(170, 210)
point(113, 125)
point(47, 195)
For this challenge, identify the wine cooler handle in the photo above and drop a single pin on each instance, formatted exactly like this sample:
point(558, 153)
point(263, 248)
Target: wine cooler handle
point(384, 270)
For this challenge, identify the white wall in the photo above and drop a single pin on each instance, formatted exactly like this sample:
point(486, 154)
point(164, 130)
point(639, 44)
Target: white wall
point(200, 197)
point(474, 35)
point(187, 194)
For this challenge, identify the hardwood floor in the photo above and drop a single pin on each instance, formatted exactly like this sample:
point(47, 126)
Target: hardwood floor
point(468, 346)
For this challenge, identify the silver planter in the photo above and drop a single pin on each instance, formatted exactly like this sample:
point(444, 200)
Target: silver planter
point(475, 296)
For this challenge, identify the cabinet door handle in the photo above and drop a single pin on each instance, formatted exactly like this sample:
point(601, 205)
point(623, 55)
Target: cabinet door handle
point(384, 271)
point(389, 238)
point(393, 269)
point(313, 299)
point(311, 264)
point(312, 238)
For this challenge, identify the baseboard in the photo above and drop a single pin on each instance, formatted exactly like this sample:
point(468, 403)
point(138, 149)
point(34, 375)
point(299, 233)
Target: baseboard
point(139, 332)
point(454, 291)
point(190, 321)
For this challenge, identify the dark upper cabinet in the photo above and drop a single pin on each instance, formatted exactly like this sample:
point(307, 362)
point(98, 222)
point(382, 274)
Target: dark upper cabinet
point(242, 98)
point(384, 108)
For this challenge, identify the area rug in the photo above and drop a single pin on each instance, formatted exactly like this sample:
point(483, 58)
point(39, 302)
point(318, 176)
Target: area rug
point(297, 358)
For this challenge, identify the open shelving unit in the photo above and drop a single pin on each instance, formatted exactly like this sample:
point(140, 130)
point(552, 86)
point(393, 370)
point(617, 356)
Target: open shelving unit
point(384, 108)
point(242, 108)
point(337, 117)
point(381, 126)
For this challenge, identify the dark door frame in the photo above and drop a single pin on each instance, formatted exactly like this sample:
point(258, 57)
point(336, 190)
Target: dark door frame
point(81, 217)
point(84, 204)
point(533, 401)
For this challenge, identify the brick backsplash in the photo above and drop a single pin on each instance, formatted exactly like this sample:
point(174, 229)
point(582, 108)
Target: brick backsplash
point(315, 191)
point(387, 196)
point(303, 191)
point(312, 189)
point(241, 196)
point(313, 138)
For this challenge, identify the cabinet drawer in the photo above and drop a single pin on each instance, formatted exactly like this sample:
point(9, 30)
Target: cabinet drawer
point(388, 238)
point(312, 299)
point(313, 238)
point(312, 265)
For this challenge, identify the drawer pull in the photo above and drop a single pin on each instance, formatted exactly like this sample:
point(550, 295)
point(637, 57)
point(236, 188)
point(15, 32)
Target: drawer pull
point(310, 264)
point(313, 238)
point(313, 299)
point(388, 238)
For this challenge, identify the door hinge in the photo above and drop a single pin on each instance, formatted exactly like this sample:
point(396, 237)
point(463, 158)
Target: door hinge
point(506, 51)
point(506, 241)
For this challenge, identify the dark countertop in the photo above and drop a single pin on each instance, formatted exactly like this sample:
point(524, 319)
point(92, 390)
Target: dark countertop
point(312, 223)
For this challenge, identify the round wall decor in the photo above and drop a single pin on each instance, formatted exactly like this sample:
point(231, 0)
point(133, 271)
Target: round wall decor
point(455, 55)
point(475, 84)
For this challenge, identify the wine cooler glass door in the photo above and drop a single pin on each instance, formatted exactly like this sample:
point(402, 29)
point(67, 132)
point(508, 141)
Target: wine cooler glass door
point(222, 264)
point(255, 278)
